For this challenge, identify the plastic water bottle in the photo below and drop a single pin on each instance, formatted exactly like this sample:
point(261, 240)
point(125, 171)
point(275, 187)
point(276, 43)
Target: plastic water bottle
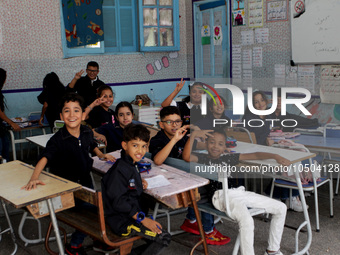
point(152, 97)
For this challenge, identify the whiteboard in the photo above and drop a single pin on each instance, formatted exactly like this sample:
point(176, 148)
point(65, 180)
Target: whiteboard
point(316, 33)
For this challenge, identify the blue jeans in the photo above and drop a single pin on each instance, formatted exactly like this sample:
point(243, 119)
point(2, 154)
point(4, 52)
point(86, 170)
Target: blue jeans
point(4, 147)
point(207, 219)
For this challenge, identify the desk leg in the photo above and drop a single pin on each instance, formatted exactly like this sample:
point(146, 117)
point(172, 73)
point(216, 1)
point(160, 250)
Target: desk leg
point(13, 144)
point(55, 227)
point(198, 219)
point(10, 228)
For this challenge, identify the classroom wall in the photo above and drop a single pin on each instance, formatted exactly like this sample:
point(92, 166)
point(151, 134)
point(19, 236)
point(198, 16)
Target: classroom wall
point(30, 47)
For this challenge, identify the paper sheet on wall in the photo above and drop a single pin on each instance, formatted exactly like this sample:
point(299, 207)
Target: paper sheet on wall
point(257, 57)
point(291, 76)
point(236, 54)
point(157, 181)
point(236, 74)
point(1, 40)
point(330, 84)
point(306, 77)
point(247, 78)
point(247, 59)
point(280, 73)
point(247, 37)
point(261, 35)
point(255, 13)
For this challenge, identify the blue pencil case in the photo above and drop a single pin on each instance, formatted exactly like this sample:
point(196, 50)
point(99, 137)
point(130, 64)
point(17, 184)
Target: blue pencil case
point(144, 166)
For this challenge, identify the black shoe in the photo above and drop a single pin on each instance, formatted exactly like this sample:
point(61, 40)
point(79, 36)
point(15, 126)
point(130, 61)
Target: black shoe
point(104, 248)
point(74, 250)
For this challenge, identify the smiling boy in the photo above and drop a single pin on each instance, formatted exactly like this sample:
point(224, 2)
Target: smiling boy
point(170, 141)
point(122, 187)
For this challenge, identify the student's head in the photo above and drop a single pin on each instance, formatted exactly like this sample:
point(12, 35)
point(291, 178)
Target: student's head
point(72, 110)
point(217, 109)
point(92, 70)
point(124, 113)
point(135, 141)
point(216, 143)
point(3, 76)
point(260, 100)
point(195, 93)
point(170, 120)
point(52, 83)
point(106, 92)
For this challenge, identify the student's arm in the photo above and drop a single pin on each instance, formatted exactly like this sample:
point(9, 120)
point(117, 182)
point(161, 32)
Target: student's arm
point(75, 79)
point(187, 156)
point(171, 97)
point(90, 107)
point(99, 137)
point(101, 155)
point(43, 110)
point(34, 181)
point(11, 123)
point(150, 224)
point(265, 155)
point(162, 155)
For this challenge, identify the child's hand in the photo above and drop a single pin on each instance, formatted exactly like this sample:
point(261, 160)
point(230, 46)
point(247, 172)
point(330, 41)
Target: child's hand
point(98, 101)
point(41, 120)
point(154, 226)
point(179, 86)
point(282, 160)
point(203, 134)
point(15, 127)
point(109, 157)
point(144, 183)
point(180, 133)
point(32, 184)
point(79, 74)
point(101, 138)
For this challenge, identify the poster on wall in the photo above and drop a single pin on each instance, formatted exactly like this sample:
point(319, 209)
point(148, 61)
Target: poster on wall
point(330, 84)
point(205, 35)
point(238, 4)
point(277, 10)
point(255, 13)
point(238, 18)
point(218, 37)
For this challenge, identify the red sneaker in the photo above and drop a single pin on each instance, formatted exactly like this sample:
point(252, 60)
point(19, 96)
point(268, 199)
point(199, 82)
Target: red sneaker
point(190, 227)
point(216, 238)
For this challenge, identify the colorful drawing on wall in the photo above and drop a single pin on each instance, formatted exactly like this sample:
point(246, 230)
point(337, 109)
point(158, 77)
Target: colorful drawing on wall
point(165, 61)
point(205, 34)
point(218, 37)
point(238, 4)
point(238, 18)
point(150, 69)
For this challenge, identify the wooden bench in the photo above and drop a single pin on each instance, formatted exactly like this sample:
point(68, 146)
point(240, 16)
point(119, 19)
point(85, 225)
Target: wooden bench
point(91, 223)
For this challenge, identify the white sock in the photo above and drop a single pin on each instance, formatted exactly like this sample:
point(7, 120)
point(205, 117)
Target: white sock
point(192, 221)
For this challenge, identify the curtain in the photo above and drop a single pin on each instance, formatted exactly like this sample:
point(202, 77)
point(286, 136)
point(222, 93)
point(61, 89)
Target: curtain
point(83, 21)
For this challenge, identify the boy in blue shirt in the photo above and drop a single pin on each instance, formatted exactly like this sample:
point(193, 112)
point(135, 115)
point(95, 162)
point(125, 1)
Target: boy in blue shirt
point(122, 187)
point(67, 154)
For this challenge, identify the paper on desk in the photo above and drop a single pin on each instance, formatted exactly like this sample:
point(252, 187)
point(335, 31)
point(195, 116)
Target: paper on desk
point(157, 181)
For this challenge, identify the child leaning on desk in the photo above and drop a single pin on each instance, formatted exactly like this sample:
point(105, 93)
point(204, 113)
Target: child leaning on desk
point(67, 153)
point(239, 199)
point(122, 187)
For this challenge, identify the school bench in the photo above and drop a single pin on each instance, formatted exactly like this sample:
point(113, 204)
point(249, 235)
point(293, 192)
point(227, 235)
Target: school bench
point(91, 223)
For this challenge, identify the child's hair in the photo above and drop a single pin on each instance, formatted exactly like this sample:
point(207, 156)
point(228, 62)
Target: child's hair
point(211, 102)
point(187, 99)
point(71, 97)
point(92, 63)
point(102, 88)
point(219, 131)
point(3, 76)
point(121, 105)
point(135, 132)
point(255, 94)
point(169, 110)
point(53, 85)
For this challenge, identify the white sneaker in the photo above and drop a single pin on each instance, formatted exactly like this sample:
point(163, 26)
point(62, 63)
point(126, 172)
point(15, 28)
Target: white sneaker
point(296, 204)
point(276, 253)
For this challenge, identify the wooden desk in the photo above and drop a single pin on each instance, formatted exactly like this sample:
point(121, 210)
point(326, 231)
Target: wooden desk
point(181, 193)
point(40, 140)
point(319, 143)
point(15, 174)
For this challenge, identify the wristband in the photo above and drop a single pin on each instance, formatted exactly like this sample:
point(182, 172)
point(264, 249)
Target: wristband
point(90, 107)
point(140, 217)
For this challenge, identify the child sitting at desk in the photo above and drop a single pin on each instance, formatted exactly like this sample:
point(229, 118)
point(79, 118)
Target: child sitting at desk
point(170, 142)
point(122, 187)
point(100, 115)
point(239, 199)
point(67, 153)
point(112, 134)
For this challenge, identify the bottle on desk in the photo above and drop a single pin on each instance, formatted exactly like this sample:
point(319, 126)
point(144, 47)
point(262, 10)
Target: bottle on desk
point(152, 98)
